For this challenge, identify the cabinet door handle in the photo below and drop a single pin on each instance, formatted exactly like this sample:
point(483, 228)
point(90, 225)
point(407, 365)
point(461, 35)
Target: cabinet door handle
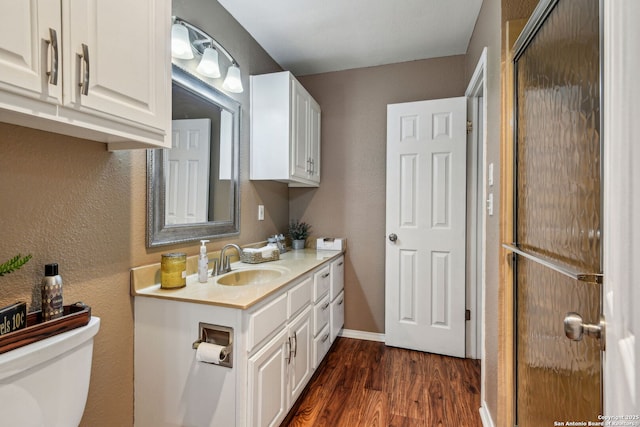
point(324, 307)
point(53, 42)
point(295, 341)
point(312, 166)
point(84, 57)
point(289, 351)
point(340, 263)
point(325, 275)
point(341, 301)
point(325, 338)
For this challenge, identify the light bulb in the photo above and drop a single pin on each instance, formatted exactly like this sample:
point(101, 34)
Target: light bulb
point(209, 64)
point(180, 44)
point(233, 81)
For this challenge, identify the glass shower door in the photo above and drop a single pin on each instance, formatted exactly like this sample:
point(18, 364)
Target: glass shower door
point(557, 214)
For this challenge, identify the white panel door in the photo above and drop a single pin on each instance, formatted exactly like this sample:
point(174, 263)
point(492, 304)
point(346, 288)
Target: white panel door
point(187, 172)
point(425, 248)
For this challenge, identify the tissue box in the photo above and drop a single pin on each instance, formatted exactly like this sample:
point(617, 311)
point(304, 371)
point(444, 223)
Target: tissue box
point(331, 243)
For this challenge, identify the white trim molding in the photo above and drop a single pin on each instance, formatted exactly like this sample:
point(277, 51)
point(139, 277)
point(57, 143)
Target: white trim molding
point(477, 250)
point(621, 232)
point(361, 335)
point(485, 416)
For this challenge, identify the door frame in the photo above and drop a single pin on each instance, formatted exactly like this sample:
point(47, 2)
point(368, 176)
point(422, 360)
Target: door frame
point(477, 94)
point(476, 221)
point(621, 233)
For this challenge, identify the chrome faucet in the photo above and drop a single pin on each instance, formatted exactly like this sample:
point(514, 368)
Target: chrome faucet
point(224, 266)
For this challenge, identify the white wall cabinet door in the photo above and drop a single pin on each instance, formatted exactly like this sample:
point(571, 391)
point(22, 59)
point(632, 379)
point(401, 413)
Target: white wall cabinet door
point(305, 136)
point(300, 367)
point(300, 160)
point(118, 58)
point(268, 382)
point(30, 37)
point(314, 141)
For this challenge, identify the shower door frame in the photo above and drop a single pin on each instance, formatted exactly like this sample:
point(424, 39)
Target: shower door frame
point(533, 25)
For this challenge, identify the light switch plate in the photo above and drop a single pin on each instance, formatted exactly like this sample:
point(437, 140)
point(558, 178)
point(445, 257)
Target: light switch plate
point(490, 204)
point(260, 212)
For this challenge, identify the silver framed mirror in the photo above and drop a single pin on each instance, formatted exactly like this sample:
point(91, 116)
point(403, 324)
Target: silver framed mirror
point(193, 189)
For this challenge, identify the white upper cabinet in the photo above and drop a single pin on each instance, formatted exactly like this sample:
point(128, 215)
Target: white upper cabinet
point(285, 131)
point(86, 69)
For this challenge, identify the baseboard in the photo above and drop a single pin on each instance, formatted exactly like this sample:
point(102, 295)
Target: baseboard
point(485, 416)
point(361, 335)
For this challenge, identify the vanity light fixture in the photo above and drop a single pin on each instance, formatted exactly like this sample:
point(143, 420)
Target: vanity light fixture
point(187, 39)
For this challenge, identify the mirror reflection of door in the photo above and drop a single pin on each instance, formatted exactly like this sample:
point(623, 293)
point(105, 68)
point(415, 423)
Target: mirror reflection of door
point(187, 172)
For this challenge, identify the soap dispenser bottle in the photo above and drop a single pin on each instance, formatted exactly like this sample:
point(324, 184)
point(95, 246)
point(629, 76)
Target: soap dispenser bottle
point(203, 263)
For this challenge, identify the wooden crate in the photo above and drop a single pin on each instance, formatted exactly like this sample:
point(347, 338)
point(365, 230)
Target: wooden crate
point(75, 316)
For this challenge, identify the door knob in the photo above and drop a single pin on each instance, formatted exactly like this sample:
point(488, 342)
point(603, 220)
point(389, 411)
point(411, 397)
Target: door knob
point(575, 328)
point(393, 237)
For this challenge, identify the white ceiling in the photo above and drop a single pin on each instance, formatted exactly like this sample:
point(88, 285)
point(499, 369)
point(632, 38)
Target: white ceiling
point(308, 37)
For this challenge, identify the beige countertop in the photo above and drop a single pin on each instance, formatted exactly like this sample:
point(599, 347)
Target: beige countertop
point(291, 265)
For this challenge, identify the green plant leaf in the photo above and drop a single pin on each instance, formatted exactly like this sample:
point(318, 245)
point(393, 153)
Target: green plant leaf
point(14, 264)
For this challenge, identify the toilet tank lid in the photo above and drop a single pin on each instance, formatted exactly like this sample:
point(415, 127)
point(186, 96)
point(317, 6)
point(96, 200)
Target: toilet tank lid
point(31, 355)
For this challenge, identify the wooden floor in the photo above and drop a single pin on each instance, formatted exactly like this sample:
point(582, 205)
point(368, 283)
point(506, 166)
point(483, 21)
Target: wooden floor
point(365, 383)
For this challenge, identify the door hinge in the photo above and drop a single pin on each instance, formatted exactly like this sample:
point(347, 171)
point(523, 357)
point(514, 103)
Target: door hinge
point(469, 127)
point(467, 315)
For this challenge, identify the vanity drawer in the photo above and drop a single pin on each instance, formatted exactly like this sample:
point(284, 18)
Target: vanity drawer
point(299, 296)
point(321, 283)
point(321, 315)
point(337, 277)
point(321, 345)
point(337, 315)
point(266, 320)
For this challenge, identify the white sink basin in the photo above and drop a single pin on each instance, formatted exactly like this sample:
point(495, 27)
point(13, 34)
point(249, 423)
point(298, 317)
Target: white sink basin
point(249, 277)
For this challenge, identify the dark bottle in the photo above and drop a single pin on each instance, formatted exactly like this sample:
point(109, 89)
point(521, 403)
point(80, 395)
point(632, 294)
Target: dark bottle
point(51, 293)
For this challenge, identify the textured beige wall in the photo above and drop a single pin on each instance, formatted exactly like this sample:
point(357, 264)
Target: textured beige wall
point(351, 199)
point(70, 201)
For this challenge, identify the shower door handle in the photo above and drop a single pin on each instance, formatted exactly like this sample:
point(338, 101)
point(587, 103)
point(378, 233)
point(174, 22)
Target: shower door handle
point(575, 328)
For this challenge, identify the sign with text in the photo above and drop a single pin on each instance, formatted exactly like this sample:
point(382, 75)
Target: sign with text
point(13, 317)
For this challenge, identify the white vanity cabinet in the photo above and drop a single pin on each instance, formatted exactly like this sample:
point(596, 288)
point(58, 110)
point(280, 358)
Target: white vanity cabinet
point(285, 131)
point(83, 68)
point(278, 341)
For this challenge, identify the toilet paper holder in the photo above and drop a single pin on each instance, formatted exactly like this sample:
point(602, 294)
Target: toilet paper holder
point(217, 334)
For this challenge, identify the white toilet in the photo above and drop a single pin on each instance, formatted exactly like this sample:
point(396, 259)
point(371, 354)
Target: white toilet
point(45, 384)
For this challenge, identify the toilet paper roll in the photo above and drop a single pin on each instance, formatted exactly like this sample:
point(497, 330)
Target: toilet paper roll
point(211, 353)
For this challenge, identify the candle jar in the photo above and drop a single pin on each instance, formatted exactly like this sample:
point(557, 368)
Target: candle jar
point(173, 270)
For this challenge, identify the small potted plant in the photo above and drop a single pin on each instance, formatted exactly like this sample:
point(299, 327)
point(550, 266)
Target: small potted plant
point(298, 231)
